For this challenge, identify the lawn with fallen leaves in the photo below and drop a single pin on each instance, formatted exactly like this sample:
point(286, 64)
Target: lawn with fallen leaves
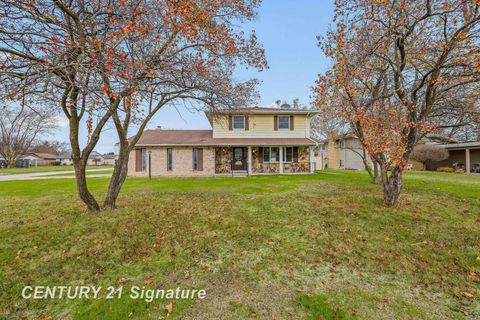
point(317, 246)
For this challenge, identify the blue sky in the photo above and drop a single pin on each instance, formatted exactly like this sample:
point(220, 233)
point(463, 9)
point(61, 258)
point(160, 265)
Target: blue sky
point(287, 30)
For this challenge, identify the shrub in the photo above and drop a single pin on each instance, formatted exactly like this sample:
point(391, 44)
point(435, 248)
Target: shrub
point(445, 169)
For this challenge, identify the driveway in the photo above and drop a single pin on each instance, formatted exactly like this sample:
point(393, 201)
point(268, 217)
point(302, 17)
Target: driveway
point(52, 175)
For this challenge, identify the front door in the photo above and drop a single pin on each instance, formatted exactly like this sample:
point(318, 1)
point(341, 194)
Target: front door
point(239, 162)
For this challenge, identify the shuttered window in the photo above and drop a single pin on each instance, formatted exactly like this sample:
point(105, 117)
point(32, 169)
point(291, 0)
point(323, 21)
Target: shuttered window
point(238, 122)
point(284, 122)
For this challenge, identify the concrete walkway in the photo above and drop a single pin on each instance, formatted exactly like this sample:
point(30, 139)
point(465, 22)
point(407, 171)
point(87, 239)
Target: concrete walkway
point(52, 175)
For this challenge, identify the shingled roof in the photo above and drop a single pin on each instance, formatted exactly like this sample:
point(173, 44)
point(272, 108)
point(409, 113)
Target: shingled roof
point(159, 137)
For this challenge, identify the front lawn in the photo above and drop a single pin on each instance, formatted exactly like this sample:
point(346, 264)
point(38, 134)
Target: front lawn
point(268, 247)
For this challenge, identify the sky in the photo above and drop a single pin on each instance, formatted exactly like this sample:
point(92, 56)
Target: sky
point(287, 29)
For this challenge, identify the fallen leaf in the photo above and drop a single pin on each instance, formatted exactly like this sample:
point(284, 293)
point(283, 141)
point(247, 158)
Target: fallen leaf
point(148, 281)
point(387, 238)
point(121, 280)
point(186, 274)
point(169, 308)
point(467, 294)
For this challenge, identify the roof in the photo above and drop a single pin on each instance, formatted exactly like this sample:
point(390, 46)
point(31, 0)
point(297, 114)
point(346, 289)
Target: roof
point(68, 155)
point(464, 145)
point(263, 110)
point(170, 137)
point(110, 156)
point(159, 137)
point(41, 155)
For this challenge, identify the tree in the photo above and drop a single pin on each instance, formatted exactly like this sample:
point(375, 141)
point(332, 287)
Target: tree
point(429, 152)
point(398, 68)
point(121, 61)
point(19, 127)
point(52, 147)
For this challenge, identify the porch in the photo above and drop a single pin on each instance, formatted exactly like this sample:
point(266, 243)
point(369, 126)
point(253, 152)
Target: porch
point(263, 160)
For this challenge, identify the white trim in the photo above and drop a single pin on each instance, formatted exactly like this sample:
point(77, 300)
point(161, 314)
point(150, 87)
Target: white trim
point(312, 160)
point(281, 159)
point(467, 161)
point(249, 164)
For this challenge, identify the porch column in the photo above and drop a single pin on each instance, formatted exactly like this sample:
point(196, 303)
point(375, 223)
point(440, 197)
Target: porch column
point(312, 166)
point(467, 161)
point(249, 163)
point(280, 149)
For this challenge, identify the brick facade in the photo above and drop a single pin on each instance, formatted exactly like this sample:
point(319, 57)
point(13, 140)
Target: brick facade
point(182, 162)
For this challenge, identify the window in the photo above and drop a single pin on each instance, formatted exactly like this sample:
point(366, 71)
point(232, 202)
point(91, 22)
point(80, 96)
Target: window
point(238, 122)
point(144, 159)
point(284, 122)
point(266, 154)
point(169, 159)
point(195, 159)
point(274, 154)
point(288, 154)
point(341, 163)
point(271, 154)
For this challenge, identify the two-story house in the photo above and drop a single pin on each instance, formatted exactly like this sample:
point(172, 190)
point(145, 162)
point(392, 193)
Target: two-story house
point(243, 141)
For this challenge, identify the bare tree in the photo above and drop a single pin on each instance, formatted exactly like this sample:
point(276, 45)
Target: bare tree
point(19, 127)
point(50, 146)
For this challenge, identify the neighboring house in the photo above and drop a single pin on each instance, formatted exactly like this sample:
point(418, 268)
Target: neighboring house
point(95, 159)
point(109, 159)
point(243, 141)
point(345, 151)
point(34, 159)
point(466, 155)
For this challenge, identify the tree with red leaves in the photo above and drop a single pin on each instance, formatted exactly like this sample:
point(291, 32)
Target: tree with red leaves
point(105, 61)
point(398, 68)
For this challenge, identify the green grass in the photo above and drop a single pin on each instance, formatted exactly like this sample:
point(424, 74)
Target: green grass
point(45, 169)
point(279, 247)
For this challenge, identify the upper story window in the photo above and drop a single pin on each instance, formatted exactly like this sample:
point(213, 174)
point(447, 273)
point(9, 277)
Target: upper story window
point(284, 122)
point(238, 122)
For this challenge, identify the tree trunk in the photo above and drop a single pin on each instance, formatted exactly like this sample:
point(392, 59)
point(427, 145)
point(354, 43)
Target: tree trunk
point(82, 188)
point(10, 163)
point(392, 184)
point(118, 178)
point(372, 170)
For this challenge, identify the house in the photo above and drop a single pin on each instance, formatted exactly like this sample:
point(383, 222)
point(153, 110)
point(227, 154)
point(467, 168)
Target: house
point(109, 159)
point(34, 159)
point(344, 151)
point(461, 155)
point(243, 142)
point(95, 159)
